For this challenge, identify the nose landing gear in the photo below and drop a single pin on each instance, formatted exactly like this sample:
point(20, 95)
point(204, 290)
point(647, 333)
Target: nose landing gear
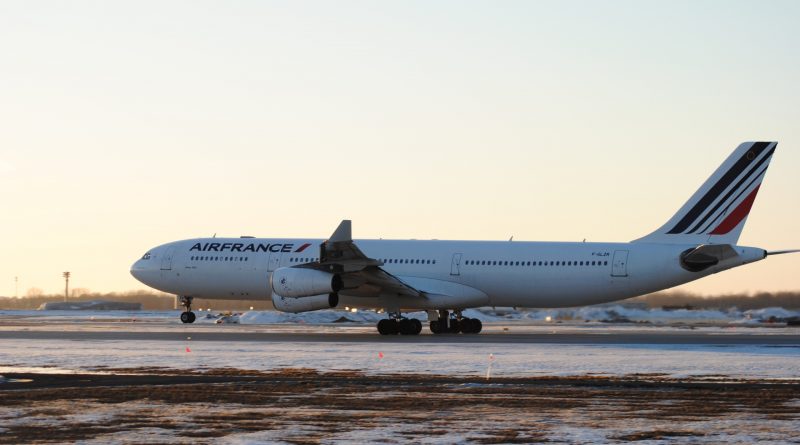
point(187, 316)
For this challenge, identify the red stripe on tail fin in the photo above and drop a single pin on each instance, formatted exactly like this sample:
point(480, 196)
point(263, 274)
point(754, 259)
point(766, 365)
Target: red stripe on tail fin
point(733, 220)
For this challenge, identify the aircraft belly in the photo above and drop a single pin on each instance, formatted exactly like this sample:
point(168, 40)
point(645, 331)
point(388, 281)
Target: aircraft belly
point(239, 284)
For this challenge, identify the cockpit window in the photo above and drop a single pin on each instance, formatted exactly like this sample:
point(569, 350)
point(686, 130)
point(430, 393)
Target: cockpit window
point(146, 256)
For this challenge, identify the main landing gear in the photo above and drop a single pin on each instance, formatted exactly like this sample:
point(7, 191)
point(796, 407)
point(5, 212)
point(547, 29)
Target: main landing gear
point(397, 324)
point(455, 323)
point(447, 322)
point(187, 316)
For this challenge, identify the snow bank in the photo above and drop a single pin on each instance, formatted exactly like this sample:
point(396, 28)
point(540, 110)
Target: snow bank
point(611, 313)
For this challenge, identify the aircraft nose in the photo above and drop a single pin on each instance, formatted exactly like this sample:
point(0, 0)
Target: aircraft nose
point(136, 270)
point(142, 269)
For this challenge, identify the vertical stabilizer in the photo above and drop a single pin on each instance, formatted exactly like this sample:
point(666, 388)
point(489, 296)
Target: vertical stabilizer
point(717, 212)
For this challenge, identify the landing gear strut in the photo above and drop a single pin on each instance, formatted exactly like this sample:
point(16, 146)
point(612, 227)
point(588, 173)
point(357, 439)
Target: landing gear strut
point(397, 324)
point(187, 316)
point(455, 323)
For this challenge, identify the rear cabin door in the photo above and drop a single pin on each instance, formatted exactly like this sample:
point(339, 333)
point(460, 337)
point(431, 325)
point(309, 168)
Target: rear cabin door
point(455, 266)
point(619, 266)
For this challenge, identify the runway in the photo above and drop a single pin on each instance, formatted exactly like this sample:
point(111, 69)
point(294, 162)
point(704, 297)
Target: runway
point(566, 335)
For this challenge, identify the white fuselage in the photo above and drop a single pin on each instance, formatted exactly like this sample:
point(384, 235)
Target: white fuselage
point(524, 274)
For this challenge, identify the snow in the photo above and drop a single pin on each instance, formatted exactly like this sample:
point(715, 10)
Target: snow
point(460, 359)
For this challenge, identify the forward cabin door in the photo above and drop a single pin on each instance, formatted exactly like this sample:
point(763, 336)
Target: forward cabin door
point(166, 260)
point(619, 267)
point(455, 265)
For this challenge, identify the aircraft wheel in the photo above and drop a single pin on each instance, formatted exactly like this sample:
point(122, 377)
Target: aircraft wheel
point(436, 327)
point(410, 326)
point(188, 317)
point(417, 326)
point(471, 325)
point(387, 327)
point(477, 326)
point(455, 326)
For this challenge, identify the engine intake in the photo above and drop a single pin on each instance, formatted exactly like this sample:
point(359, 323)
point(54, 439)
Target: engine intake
point(297, 282)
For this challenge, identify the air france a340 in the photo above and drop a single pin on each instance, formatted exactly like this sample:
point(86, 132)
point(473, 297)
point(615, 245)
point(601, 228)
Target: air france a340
point(446, 277)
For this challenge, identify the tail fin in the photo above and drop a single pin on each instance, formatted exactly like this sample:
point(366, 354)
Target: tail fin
point(717, 212)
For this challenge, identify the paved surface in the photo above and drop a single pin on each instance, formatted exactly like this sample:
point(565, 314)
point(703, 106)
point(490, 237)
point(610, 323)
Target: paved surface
point(785, 337)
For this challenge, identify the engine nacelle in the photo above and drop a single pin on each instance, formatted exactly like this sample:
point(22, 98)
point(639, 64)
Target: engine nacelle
point(313, 303)
point(297, 282)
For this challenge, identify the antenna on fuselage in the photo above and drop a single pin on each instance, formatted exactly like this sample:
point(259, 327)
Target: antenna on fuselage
point(511, 239)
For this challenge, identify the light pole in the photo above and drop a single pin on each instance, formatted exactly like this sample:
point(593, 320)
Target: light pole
point(66, 287)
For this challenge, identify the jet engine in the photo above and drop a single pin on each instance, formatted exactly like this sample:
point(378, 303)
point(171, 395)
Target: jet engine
point(296, 282)
point(312, 303)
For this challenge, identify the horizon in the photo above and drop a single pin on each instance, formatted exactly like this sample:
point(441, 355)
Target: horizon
point(128, 125)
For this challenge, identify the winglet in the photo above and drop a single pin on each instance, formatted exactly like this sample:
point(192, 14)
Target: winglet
point(343, 233)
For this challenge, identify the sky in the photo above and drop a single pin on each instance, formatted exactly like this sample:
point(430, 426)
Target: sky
point(124, 125)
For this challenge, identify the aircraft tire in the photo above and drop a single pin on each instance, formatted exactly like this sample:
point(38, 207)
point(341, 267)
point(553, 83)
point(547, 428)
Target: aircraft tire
point(436, 327)
point(410, 326)
point(188, 317)
point(465, 325)
point(387, 327)
point(471, 325)
point(417, 326)
point(455, 326)
point(477, 326)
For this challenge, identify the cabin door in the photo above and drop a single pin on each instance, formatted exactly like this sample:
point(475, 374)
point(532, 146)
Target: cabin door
point(619, 267)
point(166, 260)
point(455, 265)
point(274, 261)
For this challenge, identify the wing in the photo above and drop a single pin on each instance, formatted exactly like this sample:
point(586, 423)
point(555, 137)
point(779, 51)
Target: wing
point(362, 276)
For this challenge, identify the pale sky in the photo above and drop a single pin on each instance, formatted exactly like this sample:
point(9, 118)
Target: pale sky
point(124, 125)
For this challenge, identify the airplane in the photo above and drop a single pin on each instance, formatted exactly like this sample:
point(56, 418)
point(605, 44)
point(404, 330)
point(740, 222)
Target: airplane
point(444, 278)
